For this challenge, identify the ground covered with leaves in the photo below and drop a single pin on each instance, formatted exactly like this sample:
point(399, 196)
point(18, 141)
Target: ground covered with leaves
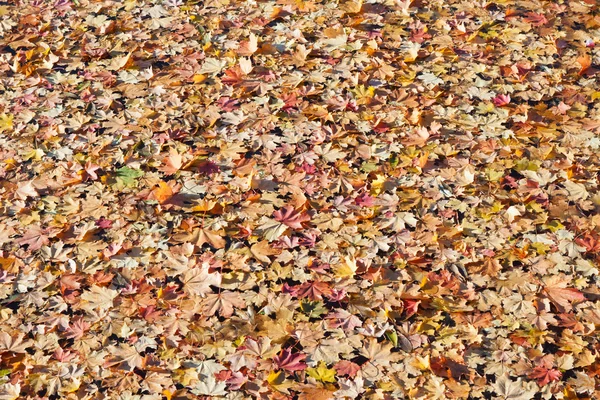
point(290, 199)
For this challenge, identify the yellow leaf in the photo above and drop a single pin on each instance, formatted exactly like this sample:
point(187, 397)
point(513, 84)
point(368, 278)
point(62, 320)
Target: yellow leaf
point(362, 93)
point(36, 154)
point(70, 387)
point(204, 205)
point(322, 373)
point(346, 269)
point(199, 78)
point(276, 378)
point(421, 363)
point(6, 122)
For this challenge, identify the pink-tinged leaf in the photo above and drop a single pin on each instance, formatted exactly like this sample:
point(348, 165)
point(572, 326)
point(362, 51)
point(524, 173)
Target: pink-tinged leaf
point(25, 190)
point(248, 47)
point(364, 200)
point(63, 356)
point(311, 290)
point(90, 171)
point(236, 381)
point(197, 281)
point(343, 319)
point(77, 329)
point(172, 163)
point(104, 223)
point(501, 100)
point(346, 367)
point(290, 362)
point(563, 297)
point(544, 375)
point(35, 237)
point(290, 217)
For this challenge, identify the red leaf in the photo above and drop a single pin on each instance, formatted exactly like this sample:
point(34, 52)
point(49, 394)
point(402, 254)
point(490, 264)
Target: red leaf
point(290, 217)
point(544, 375)
point(346, 367)
point(290, 362)
point(312, 290)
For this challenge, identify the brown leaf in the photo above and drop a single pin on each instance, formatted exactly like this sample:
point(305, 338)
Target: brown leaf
point(262, 250)
point(200, 236)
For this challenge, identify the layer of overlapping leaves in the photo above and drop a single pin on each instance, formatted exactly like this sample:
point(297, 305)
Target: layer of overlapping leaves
point(299, 199)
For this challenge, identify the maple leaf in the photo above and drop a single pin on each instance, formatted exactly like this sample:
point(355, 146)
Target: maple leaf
point(262, 250)
point(560, 295)
point(163, 192)
point(313, 290)
point(98, 297)
point(545, 375)
point(315, 393)
point(583, 382)
point(501, 100)
point(76, 329)
point(10, 391)
point(223, 303)
point(129, 176)
point(209, 386)
point(446, 368)
point(351, 388)
point(585, 61)
point(156, 381)
point(172, 163)
point(35, 237)
point(378, 353)
point(300, 55)
point(248, 47)
point(276, 379)
point(322, 373)
point(90, 170)
point(233, 77)
point(261, 348)
point(212, 66)
point(289, 361)
point(25, 190)
point(197, 281)
point(125, 357)
point(345, 367)
point(13, 344)
point(236, 381)
point(508, 389)
point(272, 229)
point(200, 236)
point(290, 217)
point(6, 122)
point(343, 319)
point(577, 191)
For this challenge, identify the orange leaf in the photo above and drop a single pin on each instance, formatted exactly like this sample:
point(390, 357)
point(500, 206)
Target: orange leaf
point(586, 62)
point(163, 192)
point(562, 297)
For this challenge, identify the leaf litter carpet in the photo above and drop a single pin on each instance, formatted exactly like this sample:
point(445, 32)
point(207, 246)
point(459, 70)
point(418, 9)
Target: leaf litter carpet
point(388, 199)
